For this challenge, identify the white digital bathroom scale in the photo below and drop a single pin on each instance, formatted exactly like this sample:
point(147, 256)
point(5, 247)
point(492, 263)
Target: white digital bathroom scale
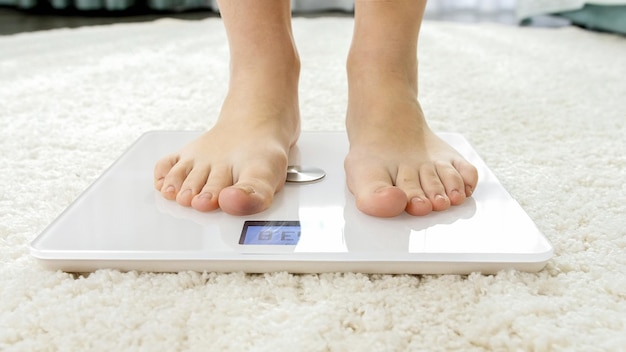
point(122, 222)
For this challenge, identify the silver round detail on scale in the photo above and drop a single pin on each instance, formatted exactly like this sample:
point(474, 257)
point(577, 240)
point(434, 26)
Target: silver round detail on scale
point(298, 174)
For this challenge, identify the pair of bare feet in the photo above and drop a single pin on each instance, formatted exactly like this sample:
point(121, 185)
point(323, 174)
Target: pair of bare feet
point(395, 162)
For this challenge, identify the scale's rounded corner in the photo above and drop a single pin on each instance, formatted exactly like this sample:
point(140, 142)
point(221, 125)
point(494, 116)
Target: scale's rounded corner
point(35, 251)
point(547, 255)
point(40, 257)
point(539, 259)
point(548, 251)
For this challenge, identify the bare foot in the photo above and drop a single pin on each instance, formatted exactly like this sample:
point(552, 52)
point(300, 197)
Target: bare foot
point(396, 163)
point(241, 162)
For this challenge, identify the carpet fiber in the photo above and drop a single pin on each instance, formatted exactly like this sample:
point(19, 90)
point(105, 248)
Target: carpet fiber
point(545, 108)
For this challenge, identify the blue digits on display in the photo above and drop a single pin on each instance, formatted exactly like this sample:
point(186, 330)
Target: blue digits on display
point(270, 233)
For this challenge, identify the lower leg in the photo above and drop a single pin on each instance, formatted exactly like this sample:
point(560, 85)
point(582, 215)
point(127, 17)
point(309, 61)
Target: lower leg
point(241, 161)
point(396, 162)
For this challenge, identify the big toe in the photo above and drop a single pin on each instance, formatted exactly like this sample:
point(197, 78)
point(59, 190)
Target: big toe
point(385, 201)
point(254, 190)
point(243, 200)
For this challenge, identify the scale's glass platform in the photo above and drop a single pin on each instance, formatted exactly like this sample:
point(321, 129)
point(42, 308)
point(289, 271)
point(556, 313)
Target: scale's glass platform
point(121, 222)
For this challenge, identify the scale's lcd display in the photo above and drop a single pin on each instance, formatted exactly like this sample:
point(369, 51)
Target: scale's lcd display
point(270, 233)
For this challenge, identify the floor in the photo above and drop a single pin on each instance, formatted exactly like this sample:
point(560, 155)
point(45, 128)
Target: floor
point(13, 20)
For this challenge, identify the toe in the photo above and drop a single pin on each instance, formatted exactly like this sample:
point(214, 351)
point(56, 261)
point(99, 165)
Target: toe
point(205, 201)
point(374, 190)
point(433, 188)
point(452, 182)
point(385, 202)
point(193, 184)
point(254, 189)
point(244, 200)
point(174, 179)
point(162, 168)
point(419, 206)
point(408, 181)
point(219, 178)
point(468, 173)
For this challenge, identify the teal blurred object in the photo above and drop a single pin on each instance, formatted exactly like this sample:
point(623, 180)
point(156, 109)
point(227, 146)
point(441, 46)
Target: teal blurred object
point(599, 17)
point(602, 15)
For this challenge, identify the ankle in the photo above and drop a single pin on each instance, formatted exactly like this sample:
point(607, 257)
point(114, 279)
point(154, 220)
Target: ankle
point(380, 70)
point(267, 74)
point(263, 94)
point(282, 58)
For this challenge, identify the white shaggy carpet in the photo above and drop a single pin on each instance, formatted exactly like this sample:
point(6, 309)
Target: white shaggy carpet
point(545, 108)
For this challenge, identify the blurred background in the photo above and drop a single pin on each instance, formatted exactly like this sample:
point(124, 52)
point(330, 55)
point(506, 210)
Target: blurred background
point(18, 16)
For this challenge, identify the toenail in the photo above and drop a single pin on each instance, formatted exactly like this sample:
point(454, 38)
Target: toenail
point(468, 190)
point(439, 196)
point(417, 200)
point(246, 189)
point(170, 189)
point(205, 195)
point(185, 193)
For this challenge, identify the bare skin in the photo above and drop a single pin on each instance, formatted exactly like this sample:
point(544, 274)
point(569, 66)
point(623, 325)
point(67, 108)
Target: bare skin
point(395, 163)
point(240, 163)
